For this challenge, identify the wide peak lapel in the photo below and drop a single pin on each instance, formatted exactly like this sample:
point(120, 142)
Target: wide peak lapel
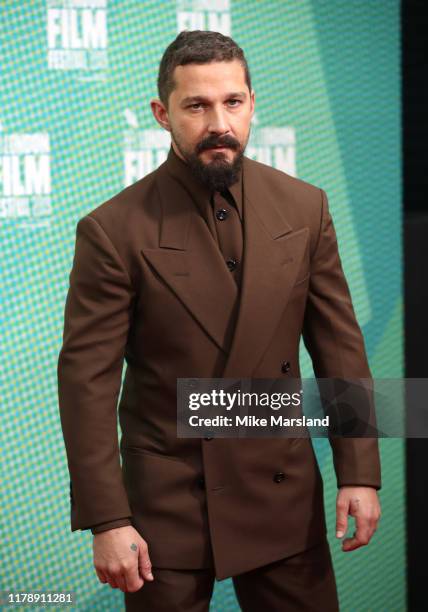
point(272, 256)
point(190, 262)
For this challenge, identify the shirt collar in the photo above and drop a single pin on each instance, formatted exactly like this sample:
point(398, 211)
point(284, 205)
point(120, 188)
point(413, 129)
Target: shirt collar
point(181, 171)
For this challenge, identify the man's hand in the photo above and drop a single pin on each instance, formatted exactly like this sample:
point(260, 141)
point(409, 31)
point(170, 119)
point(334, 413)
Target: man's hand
point(363, 504)
point(121, 558)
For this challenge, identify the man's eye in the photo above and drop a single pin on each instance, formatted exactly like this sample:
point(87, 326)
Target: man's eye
point(235, 100)
point(196, 104)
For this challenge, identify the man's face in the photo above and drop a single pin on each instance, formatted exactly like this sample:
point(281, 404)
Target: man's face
point(209, 117)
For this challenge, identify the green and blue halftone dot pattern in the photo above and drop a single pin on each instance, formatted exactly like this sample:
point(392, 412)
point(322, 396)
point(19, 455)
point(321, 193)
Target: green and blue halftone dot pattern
point(326, 69)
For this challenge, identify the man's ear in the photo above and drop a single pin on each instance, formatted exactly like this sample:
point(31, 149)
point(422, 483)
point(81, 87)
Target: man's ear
point(160, 113)
point(253, 101)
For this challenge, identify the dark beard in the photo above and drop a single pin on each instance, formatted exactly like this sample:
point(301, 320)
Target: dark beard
point(218, 174)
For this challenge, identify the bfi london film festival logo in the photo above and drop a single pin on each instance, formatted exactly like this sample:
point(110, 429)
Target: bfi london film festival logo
point(77, 37)
point(146, 149)
point(25, 179)
point(204, 15)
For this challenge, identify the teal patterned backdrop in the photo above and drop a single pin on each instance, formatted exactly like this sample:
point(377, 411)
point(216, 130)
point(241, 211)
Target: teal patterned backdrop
point(76, 77)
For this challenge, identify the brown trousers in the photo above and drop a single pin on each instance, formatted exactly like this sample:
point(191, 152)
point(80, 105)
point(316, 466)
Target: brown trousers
point(304, 582)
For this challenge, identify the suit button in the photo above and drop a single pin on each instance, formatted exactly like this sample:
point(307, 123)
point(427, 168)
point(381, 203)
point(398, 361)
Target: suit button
point(221, 214)
point(231, 263)
point(285, 366)
point(201, 482)
point(279, 476)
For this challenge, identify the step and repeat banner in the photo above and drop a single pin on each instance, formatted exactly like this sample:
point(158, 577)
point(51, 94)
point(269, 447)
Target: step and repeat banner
point(76, 78)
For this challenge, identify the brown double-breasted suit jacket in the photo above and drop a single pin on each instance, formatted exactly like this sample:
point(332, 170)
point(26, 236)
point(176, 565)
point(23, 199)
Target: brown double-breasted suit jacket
point(149, 285)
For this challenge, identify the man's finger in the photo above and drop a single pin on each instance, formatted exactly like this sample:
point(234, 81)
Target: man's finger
point(116, 579)
point(112, 581)
point(101, 576)
point(353, 543)
point(132, 578)
point(341, 518)
point(144, 563)
point(362, 535)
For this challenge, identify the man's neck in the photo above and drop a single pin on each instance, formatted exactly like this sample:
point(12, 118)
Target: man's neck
point(177, 152)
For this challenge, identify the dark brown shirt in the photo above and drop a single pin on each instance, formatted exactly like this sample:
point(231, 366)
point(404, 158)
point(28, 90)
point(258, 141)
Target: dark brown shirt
point(223, 213)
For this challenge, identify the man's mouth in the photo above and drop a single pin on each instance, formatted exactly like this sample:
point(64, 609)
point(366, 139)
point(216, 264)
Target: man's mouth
point(218, 147)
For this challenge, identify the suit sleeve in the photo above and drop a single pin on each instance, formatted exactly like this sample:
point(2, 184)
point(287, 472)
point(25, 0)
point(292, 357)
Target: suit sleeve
point(97, 317)
point(335, 343)
point(110, 525)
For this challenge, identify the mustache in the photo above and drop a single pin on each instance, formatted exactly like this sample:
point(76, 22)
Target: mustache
point(214, 141)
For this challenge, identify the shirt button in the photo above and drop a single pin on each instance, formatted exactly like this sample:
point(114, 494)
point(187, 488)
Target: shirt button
point(285, 366)
point(231, 263)
point(221, 214)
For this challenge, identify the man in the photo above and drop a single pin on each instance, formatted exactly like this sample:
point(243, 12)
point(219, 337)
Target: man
point(211, 266)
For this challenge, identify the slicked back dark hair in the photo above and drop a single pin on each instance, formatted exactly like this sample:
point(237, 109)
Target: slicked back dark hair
point(197, 47)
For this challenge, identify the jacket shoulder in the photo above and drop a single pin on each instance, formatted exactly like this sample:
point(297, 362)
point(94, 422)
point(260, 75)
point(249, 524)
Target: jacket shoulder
point(282, 180)
point(129, 218)
point(298, 201)
point(127, 205)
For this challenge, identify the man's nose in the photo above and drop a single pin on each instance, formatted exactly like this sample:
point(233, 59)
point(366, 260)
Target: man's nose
point(218, 123)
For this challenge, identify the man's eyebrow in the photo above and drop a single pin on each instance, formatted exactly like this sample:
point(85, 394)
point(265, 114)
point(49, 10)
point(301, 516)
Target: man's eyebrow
point(193, 99)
